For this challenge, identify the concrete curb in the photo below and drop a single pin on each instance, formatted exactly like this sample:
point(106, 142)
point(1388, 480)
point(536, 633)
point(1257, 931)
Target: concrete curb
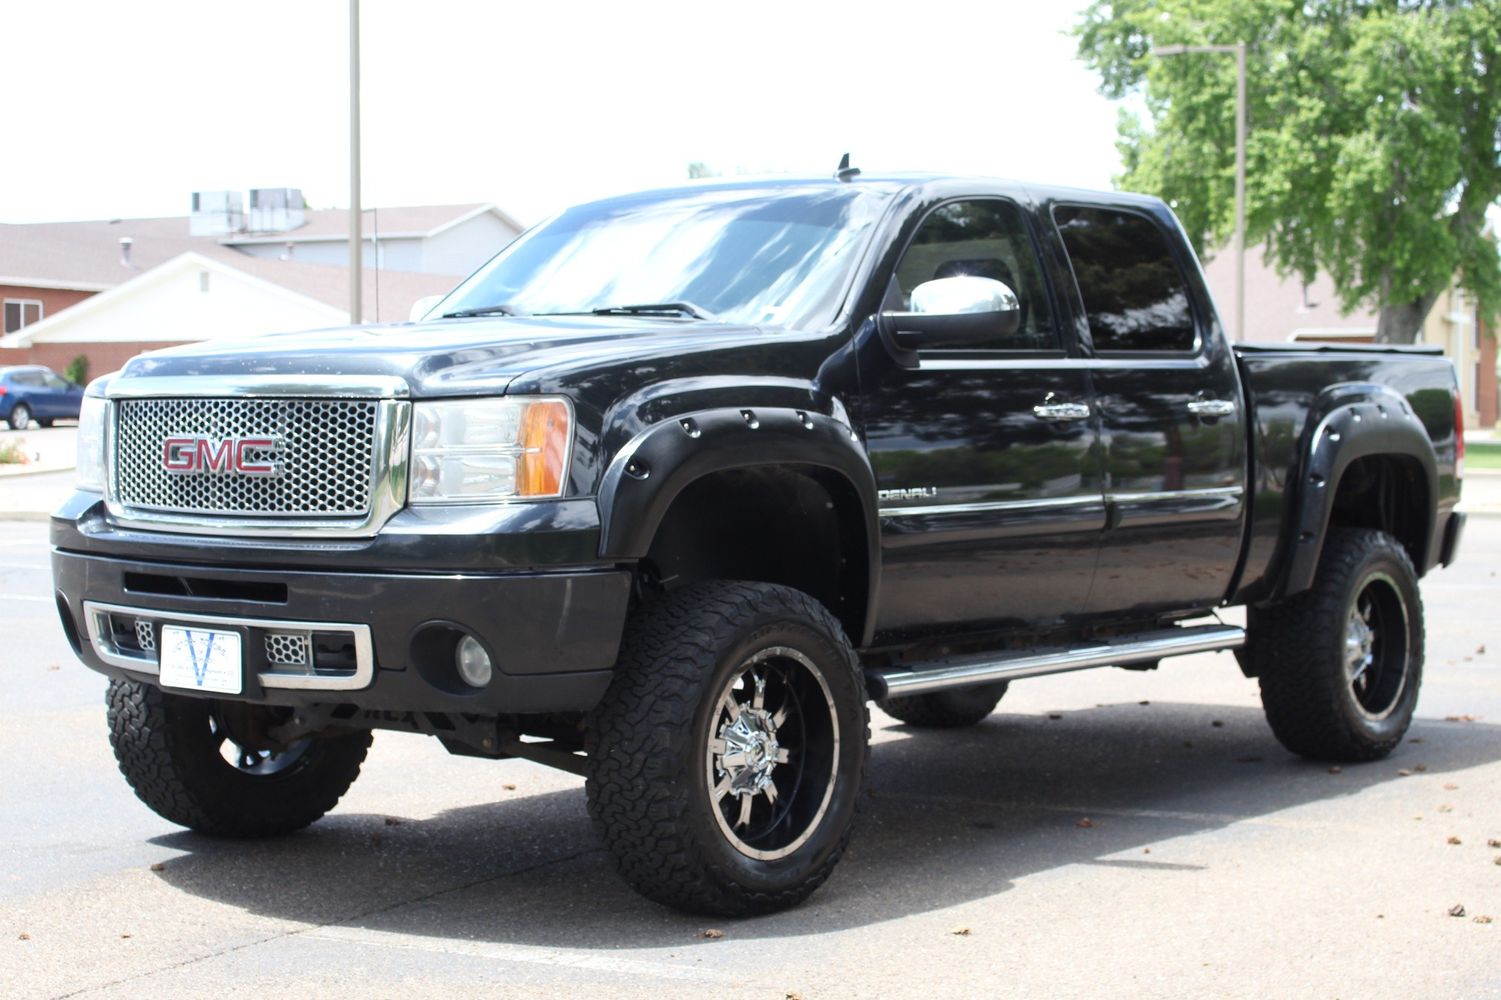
point(33, 470)
point(30, 516)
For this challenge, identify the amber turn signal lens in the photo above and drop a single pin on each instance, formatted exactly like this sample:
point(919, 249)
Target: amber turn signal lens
point(544, 449)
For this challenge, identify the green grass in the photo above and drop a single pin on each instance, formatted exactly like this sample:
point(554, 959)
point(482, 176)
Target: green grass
point(11, 453)
point(1483, 456)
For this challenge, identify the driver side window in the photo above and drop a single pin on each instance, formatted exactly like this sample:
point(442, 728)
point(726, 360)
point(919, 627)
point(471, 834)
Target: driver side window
point(986, 238)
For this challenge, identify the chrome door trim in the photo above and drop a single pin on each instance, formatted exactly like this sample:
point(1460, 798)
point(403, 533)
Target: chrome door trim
point(992, 506)
point(1211, 493)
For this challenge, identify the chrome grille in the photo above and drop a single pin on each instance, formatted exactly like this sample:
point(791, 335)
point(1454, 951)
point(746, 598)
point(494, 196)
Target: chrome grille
point(325, 454)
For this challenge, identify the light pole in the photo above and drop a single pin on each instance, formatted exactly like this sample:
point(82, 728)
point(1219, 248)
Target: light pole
point(1239, 49)
point(356, 250)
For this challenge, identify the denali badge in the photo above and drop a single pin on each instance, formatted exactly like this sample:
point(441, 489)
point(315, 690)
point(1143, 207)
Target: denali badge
point(188, 454)
point(910, 493)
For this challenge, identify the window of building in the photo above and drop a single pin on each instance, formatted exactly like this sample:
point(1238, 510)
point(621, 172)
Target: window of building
point(1134, 295)
point(986, 238)
point(21, 313)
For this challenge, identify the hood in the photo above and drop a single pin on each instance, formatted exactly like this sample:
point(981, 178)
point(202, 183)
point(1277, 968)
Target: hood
point(479, 356)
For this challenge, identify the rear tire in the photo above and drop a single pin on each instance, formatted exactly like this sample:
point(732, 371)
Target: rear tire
point(946, 709)
point(20, 417)
point(726, 758)
point(181, 759)
point(1340, 664)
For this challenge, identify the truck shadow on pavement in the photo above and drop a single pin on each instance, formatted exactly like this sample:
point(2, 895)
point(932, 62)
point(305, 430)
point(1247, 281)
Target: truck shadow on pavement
point(948, 817)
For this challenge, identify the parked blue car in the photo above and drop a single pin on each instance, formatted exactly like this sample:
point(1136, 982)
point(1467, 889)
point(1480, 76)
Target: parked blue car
point(32, 394)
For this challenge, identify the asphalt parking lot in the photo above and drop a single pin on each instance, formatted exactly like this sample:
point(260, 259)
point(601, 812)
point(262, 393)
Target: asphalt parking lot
point(1103, 833)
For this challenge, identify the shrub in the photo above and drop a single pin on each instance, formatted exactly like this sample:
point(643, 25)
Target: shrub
point(77, 370)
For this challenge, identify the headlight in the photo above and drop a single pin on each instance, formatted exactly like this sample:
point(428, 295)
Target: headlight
point(483, 450)
point(90, 474)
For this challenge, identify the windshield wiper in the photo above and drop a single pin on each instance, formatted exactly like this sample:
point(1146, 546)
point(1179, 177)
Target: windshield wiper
point(498, 310)
point(653, 309)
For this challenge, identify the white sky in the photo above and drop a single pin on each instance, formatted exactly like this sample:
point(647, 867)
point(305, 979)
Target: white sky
point(116, 109)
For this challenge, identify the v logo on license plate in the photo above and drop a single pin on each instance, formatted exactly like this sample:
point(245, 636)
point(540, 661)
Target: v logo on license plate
point(200, 663)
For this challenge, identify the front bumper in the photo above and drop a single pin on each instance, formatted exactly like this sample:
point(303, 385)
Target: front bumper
point(379, 632)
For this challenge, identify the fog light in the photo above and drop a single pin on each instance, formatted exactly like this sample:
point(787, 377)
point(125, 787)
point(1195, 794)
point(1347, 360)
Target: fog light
point(473, 662)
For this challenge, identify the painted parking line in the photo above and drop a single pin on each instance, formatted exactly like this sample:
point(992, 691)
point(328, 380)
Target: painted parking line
point(571, 958)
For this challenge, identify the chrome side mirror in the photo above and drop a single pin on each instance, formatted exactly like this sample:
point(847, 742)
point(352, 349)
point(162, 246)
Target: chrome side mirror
point(953, 312)
point(964, 295)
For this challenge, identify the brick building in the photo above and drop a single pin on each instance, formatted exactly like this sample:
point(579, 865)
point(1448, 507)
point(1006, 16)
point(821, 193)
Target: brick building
point(1283, 309)
point(108, 290)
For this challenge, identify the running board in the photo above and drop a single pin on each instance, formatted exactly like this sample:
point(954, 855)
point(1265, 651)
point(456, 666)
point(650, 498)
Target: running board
point(966, 671)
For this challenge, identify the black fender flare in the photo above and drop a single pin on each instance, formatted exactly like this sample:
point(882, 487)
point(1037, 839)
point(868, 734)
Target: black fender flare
point(653, 468)
point(1358, 421)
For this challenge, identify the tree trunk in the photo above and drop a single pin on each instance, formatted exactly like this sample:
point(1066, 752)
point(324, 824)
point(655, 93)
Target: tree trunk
point(1401, 322)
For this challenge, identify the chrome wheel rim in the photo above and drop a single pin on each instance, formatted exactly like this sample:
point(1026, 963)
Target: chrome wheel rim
point(772, 753)
point(255, 763)
point(1376, 654)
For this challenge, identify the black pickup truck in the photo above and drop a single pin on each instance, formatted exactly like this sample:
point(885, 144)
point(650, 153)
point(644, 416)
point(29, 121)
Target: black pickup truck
point(671, 487)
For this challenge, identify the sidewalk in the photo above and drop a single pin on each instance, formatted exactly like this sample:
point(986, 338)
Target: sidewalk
point(53, 449)
point(32, 490)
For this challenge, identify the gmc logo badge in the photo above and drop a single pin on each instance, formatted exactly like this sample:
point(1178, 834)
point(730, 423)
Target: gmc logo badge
point(190, 454)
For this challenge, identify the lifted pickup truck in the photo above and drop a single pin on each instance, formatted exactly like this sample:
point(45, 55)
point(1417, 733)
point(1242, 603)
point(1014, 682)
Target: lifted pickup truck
point(673, 485)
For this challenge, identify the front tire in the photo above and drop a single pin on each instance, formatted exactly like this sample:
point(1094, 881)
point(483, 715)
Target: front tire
point(1340, 664)
point(727, 756)
point(182, 759)
point(946, 709)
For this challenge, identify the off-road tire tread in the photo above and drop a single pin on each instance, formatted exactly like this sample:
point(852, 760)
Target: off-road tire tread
point(1300, 692)
point(151, 755)
point(942, 709)
point(636, 799)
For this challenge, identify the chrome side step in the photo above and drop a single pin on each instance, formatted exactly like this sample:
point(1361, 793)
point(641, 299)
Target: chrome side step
point(965, 671)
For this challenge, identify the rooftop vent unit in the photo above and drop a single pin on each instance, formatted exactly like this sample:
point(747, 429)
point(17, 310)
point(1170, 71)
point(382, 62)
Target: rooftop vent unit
point(276, 210)
point(216, 213)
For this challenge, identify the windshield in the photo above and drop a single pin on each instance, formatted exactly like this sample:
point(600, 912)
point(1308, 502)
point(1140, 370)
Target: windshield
point(780, 257)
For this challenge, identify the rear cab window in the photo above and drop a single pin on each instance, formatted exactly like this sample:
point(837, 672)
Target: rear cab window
point(1134, 294)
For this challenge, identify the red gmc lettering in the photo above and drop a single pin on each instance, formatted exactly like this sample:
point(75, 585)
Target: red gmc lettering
point(210, 455)
point(249, 468)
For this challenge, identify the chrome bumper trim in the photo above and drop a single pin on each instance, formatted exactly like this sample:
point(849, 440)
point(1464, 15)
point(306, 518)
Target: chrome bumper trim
point(96, 616)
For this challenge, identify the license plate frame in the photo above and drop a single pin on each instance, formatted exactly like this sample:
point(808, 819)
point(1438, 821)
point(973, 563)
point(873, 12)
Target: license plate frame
point(201, 659)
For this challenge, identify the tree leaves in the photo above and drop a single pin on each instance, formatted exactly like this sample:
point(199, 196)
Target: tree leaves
point(1374, 130)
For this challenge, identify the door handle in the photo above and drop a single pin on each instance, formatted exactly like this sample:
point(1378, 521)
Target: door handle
point(1211, 408)
point(1061, 411)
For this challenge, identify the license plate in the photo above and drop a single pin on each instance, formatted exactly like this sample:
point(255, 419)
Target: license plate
point(201, 659)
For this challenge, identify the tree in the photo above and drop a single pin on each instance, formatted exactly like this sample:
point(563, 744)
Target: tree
point(1373, 135)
